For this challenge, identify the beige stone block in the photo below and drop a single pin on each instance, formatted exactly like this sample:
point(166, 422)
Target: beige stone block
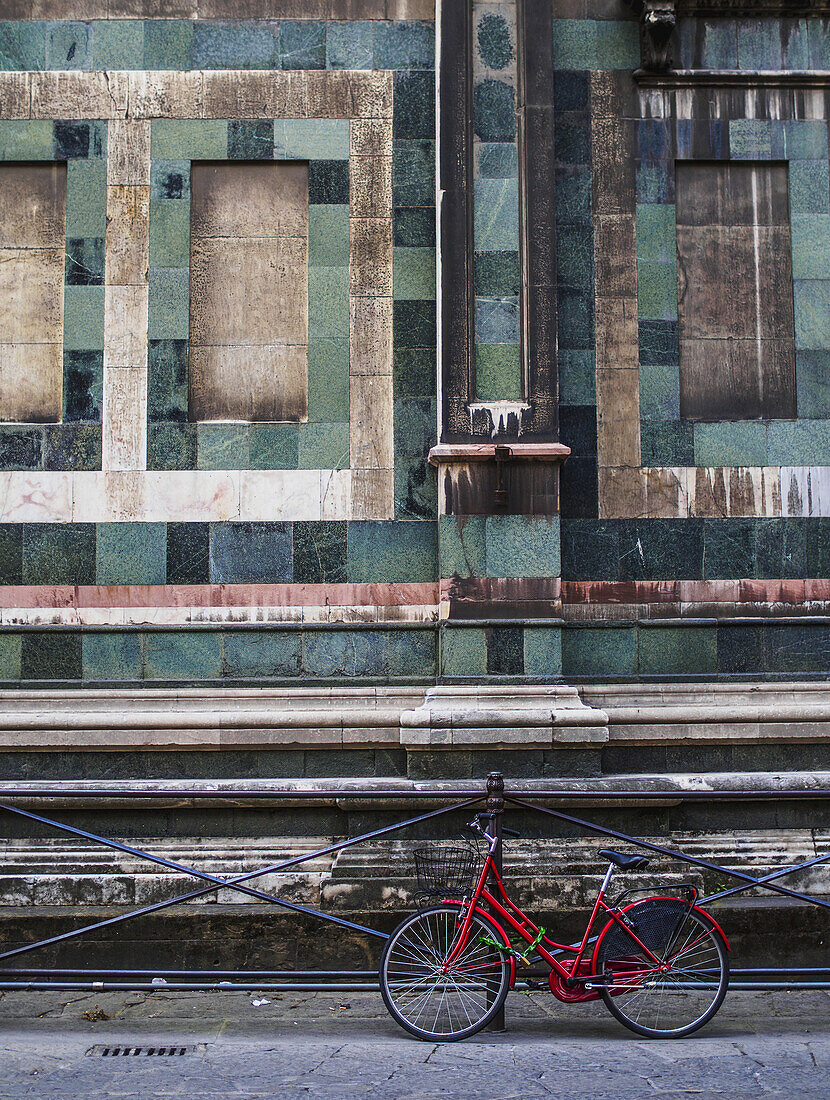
point(615, 256)
point(81, 95)
point(617, 346)
point(125, 419)
point(279, 495)
point(31, 295)
point(370, 433)
point(252, 94)
point(622, 493)
point(262, 383)
point(128, 153)
point(37, 497)
point(128, 235)
point(335, 494)
point(667, 492)
point(370, 256)
point(370, 137)
point(250, 291)
point(125, 326)
point(410, 9)
point(370, 187)
point(618, 417)
point(348, 94)
point(112, 496)
point(31, 382)
point(15, 95)
point(370, 336)
point(165, 94)
point(33, 213)
point(257, 199)
point(373, 494)
point(191, 495)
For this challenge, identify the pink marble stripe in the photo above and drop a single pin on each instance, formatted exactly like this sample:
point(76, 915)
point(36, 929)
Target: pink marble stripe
point(220, 595)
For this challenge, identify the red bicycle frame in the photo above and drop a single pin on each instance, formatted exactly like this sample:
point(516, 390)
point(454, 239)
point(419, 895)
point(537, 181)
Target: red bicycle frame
point(562, 975)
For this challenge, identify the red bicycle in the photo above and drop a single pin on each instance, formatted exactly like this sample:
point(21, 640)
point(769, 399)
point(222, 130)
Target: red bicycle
point(659, 963)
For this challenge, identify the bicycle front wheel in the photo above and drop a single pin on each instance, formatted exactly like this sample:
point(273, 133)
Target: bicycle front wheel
point(677, 996)
point(437, 1004)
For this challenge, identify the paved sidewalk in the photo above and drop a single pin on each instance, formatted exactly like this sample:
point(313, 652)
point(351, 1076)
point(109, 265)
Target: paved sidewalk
point(339, 1046)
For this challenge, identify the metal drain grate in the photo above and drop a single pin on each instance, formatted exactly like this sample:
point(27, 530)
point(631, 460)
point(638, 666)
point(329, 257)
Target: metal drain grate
point(170, 1051)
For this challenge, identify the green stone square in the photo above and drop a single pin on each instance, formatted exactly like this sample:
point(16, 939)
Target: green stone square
point(414, 273)
point(737, 443)
point(131, 553)
point(117, 44)
point(677, 650)
point(461, 546)
point(657, 291)
point(750, 139)
point(603, 651)
point(810, 236)
point(577, 377)
point(10, 656)
point(328, 235)
point(328, 301)
point(809, 187)
point(273, 446)
point(168, 44)
point(496, 215)
point(811, 298)
point(463, 651)
point(170, 233)
point(183, 655)
point(618, 44)
point(328, 380)
point(498, 372)
point(22, 45)
point(83, 318)
point(574, 44)
point(323, 446)
point(799, 442)
point(656, 232)
point(522, 546)
point(86, 197)
point(188, 139)
point(543, 651)
point(805, 140)
point(25, 140)
point(111, 656)
point(659, 392)
point(812, 372)
point(311, 139)
point(222, 446)
point(169, 317)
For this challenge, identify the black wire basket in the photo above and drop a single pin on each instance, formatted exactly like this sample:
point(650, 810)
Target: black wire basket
point(446, 870)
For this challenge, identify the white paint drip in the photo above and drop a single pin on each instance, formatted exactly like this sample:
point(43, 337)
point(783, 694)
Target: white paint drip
point(499, 413)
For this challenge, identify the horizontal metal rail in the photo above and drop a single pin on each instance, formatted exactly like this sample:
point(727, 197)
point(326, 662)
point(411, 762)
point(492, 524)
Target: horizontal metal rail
point(353, 980)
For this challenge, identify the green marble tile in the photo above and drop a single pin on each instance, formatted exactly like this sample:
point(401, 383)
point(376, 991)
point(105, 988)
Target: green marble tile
point(750, 139)
point(323, 446)
point(677, 651)
point(222, 446)
point(811, 298)
point(799, 442)
point(68, 45)
point(56, 553)
point(131, 553)
point(574, 44)
point(83, 318)
point(328, 235)
point(169, 317)
point(117, 44)
point(86, 197)
point(656, 233)
point(311, 139)
point(385, 552)
point(188, 139)
point(170, 234)
point(10, 656)
point(496, 218)
point(328, 380)
point(809, 187)
point(183, 656)
point(256, 655)
point(25, 140)
point(737, 443)
point(168, 44)
point(657, 291)
point(328, 302)
point(463, 652)
point(810, 236)
point(805, 140)
point(273, 446)
point(22, 45)
point(497, 160)
point(543, 651)
point(414, 273)
point(498, 372)
point(659, 392)
point(617, 44)
point(462, 546)
point(111, 656)
point(349, 45)
point(577, 377)
point(812, 372)
point(522, 546)
point(603, 652)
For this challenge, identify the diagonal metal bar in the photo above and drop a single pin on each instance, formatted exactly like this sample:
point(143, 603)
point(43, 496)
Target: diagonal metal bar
point(222, 883)
point(768, 878)
point(603, 831)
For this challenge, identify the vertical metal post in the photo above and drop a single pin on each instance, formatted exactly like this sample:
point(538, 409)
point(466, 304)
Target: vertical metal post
point(495, 805)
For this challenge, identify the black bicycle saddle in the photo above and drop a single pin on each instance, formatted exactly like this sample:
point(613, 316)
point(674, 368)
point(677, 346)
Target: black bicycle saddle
point(625, 863)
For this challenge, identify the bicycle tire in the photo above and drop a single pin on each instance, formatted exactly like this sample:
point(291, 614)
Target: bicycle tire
point(412, 985)
point(663, 1004)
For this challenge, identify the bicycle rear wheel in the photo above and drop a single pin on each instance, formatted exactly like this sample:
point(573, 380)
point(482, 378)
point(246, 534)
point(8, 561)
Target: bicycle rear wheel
point(663, 1003)
point(443, 1006)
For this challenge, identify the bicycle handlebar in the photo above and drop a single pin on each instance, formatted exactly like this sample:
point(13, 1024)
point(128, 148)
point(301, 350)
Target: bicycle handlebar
point(474, 824)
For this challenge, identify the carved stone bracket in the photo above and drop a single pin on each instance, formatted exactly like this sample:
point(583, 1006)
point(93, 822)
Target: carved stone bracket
point(657, 22)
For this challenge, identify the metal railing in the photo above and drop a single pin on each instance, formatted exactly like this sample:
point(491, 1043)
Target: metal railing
point(498, 798)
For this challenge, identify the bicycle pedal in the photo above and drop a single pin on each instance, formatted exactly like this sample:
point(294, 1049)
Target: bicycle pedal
point(535, 986)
